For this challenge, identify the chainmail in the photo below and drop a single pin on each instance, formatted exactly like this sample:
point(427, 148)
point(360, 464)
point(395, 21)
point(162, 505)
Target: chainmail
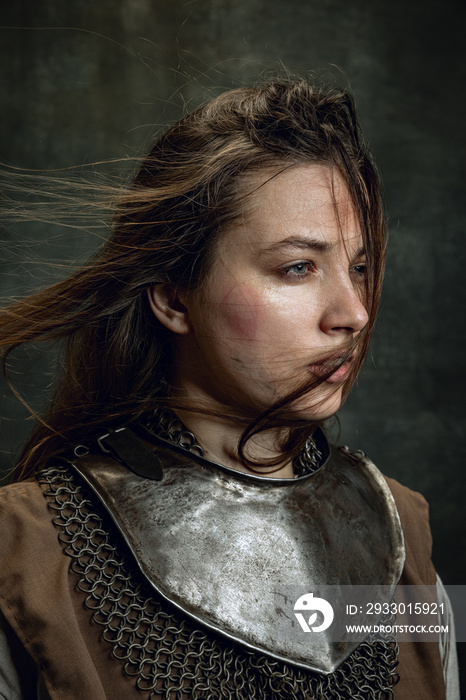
point(169, 655)
point(166, 424)
point(309, 460)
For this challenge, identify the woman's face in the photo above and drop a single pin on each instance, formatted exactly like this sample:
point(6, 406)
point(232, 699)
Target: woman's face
point(283, 301)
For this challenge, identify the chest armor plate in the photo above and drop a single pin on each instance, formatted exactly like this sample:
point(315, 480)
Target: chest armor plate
point(218, 544)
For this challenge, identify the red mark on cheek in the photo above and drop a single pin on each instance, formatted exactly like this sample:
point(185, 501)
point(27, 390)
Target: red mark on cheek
point(241, 309)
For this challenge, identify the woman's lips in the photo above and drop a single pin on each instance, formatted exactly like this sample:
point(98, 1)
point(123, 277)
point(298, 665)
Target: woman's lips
point(341, 373)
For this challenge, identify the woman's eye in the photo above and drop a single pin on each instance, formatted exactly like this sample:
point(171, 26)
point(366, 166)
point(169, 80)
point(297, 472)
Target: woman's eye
point(300, 269)
point(360, 269)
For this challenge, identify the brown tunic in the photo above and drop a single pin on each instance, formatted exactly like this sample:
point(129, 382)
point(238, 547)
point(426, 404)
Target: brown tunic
point(39, 600)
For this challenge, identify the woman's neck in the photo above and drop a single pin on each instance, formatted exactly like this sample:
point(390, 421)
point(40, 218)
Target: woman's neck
point(219, 439)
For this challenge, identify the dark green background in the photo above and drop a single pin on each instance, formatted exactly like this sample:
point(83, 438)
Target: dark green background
point(85, 81)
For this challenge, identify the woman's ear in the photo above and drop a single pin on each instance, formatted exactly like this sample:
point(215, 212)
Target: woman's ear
point(167, 305)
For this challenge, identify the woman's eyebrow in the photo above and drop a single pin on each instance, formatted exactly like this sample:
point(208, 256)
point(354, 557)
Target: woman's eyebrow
point(302, 243)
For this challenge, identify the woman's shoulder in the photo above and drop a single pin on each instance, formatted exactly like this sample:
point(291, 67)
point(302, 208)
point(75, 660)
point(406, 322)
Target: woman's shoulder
point(26, 525)
point(413, 510)
point(23, 496)
point(412, 507)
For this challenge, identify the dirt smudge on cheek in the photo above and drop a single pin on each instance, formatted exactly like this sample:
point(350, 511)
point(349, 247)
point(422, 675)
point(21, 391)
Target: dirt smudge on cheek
point(241, 310)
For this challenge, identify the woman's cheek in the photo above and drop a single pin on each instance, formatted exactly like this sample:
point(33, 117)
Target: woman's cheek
point(242, 311)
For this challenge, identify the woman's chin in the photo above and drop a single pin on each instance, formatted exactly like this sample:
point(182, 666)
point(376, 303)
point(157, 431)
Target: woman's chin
point(321, 407)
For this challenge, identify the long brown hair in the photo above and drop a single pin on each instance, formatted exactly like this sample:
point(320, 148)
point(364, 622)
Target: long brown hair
point(116, 355)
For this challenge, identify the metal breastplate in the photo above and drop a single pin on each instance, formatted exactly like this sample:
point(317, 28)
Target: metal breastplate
point(216, 543)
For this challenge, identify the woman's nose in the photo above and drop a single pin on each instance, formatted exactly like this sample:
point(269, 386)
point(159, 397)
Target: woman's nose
point(345, 311)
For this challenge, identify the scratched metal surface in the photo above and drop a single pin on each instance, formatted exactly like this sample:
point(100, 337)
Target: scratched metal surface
point(219, 544)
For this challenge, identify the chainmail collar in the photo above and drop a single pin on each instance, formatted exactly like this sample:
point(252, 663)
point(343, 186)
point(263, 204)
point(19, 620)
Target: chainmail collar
point(165, 423)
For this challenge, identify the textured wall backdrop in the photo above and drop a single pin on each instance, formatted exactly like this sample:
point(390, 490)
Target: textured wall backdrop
point(86, 81)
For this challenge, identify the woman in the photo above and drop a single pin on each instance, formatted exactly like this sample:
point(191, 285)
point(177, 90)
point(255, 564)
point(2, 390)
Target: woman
point(182, 455)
